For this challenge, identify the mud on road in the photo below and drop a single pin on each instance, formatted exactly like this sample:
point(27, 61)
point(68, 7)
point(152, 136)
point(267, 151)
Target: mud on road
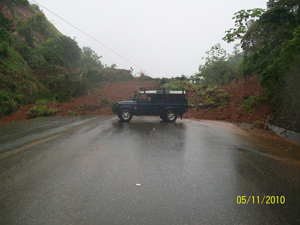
point(99, 102)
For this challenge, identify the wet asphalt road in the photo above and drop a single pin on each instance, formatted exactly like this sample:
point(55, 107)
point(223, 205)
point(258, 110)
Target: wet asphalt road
point(98, 170)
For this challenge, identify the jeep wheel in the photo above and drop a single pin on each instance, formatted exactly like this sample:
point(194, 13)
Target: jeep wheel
point(163, 118)
point(171, 116)
point(125, 115)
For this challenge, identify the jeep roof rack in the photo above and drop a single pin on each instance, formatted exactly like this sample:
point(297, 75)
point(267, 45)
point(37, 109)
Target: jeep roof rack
point(158, 89)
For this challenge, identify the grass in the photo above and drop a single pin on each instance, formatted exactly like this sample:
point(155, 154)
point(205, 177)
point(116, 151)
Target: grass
point(107, 102)
point(40, 111)
point(43, 101)
point(72, 113)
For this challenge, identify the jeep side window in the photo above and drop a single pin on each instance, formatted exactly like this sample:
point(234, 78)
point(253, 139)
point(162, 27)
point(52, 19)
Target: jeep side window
point(145, 98)
point(175, 98)
point(158, 98)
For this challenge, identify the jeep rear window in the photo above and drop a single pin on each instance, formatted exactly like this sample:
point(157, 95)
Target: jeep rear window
point(175, 98)
point(157, 98)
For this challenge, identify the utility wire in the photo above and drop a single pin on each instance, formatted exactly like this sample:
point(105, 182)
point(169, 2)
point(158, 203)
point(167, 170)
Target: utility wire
point(91, 37)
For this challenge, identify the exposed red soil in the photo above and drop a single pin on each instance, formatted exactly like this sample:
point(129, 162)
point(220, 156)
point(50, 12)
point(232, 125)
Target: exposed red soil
point(240, 91)
point(24, 13)
point(96, 103)
point(89, 104)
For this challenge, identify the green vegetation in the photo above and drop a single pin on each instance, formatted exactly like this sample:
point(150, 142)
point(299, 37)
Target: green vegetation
point(175, 84)
point(72, 113)
point(39, 64)
point(39, 111)
point(253, 102)
point(43, 101)
point(208, 96)
point(65, 86)
point(214, 97)
point(9, 101)
point(271, 43)
point(257, 122)
point(107, 102)
point(219, 69)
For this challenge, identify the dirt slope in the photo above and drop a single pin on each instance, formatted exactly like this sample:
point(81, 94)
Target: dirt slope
point(99, 102)
point(240, 91)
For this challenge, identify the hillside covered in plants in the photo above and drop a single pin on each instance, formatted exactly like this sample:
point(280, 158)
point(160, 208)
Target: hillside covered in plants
point(258, 83)
point(38, 63)
point(269, 47)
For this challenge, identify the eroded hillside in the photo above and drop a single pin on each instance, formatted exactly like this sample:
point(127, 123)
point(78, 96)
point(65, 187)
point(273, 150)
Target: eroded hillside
point(99, 102)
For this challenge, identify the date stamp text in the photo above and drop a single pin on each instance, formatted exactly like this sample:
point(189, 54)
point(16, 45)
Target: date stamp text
point(266, 199)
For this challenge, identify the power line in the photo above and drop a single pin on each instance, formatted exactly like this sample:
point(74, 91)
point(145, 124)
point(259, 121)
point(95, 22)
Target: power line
point(91, 37)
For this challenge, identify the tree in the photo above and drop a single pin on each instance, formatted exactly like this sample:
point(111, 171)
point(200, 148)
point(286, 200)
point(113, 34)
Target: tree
point(291, 5)
point(113, 66)
point(237, 56)
point(6, 23)
point(6, 27)
point(18, 2)
point(244, 19)
point(271, 50)
point(39, 23)
point(216, 70)
point(52, 51)
point(25, 30)
point(71, 50)
point(90, 58)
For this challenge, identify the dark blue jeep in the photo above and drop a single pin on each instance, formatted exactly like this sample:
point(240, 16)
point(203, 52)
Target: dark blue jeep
point(153, 102)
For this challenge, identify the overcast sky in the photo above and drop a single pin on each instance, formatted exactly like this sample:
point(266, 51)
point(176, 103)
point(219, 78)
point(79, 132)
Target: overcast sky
point(163, 38)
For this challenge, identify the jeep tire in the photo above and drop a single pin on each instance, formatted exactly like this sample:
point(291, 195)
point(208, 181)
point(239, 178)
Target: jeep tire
point(125, 115)
point(170, 116)
point(163, 118)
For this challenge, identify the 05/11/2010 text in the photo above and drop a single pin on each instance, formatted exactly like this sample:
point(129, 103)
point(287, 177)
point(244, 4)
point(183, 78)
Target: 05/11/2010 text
point(268, 200)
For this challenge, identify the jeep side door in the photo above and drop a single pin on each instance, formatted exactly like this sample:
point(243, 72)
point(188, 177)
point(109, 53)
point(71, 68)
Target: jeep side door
point(159, 105)
point(144, 105)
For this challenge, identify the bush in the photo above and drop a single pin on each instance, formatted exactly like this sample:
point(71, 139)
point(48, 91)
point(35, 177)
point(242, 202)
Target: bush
point(5, 39)
point(65, 86)
point(94, 77)
point(29, 54)
point(20, 2)
point(43, 101)
point(253, 102)
point(72, 113)
point(4, 48)
point(209, 96)
point(52, 51)
point(107, 102)
point(39, 23)
point(52, 55)
point(175, 84)
point(25, 30)
point(39, 111)
point(213, 96)
point(9, 102)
